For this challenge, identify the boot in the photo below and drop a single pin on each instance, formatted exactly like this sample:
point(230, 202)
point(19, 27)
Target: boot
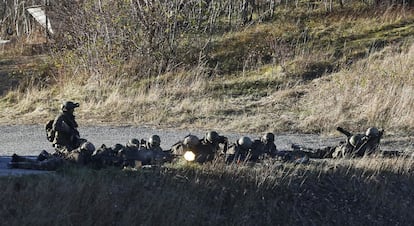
point(43, 156)
point(17, 158)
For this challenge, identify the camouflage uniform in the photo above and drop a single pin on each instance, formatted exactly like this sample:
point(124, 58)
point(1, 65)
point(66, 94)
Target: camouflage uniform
point(241, 150)
point(246, 150)
point(356, 145)
point(142, 154)
point(66, 133)
point(359, 145)
point(68, 146)
point(134, 154)
point(20, 162)
point(129, 154)
point(117, 155)
point(203, 151)
point(218, 142)
point(270, 148)
point(81, 155)
point(299, 154)
point(107, 156)
point(158, 155)
point(46, 161)
point(67, 141)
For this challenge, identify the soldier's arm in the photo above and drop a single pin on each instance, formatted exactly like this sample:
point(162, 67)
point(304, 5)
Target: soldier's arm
point(224, 140)
point(60, 126)
point(381, 132)
point(177, 148)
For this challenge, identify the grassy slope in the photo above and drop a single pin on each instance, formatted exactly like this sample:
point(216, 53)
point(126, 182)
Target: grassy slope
point(366, 84)
point(325, 70)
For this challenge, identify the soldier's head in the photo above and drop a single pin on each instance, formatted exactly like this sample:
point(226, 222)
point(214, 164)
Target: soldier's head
point(212, 137)
point(372, 132)
point(154, 141)
point(245, 142)
point(69, 106)
point(190, 141)
point(268, 138)
point(133, 143)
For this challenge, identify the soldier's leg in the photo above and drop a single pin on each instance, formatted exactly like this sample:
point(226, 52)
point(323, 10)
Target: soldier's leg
point(296, 156)
point(51, 164)
point(341, 151)
point(24, 165)
point(18, 158)
point(43, 155)
point(48, 164)
point(78, 157)
point(321, 153)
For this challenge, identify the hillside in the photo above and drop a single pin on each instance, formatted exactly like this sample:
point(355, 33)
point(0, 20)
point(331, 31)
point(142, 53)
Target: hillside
point(228, 65)
point(292, 68)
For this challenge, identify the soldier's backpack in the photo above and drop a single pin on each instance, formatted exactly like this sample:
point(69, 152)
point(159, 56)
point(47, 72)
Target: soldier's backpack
point(50, 133)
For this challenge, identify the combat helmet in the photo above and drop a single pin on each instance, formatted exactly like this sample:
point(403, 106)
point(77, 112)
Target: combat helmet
point(212, 136)
point(88, 146)
point(372, 132)
point(245, 142)
point(117, 147)
point(154, 140)
point(133, 143)
point(268, 138)
point(191, 141)
point(69, 105)
point(355, 139)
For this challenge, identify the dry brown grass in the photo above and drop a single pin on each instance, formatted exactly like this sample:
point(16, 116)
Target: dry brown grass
point(364, 191)
point(376, 91)
point(279, 96)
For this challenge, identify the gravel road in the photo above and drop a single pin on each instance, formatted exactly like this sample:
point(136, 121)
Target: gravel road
point(30, 140)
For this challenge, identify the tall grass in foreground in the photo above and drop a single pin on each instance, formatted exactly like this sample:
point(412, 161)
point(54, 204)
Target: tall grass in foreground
point(347, 192)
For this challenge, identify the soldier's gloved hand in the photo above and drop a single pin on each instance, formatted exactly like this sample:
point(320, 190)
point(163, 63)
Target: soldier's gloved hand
point(381, 132)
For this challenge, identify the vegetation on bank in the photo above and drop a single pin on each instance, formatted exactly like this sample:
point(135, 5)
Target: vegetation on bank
point(345, 192)
point(306, 66)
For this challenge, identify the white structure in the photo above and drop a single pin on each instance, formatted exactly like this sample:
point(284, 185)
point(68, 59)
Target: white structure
point(4, 41)
point(40, 16)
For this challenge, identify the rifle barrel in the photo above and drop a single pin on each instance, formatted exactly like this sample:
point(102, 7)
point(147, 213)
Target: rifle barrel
point(343, 131)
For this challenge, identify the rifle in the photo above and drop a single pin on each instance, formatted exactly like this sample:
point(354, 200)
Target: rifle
point(344, 132)
point(393, 153)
